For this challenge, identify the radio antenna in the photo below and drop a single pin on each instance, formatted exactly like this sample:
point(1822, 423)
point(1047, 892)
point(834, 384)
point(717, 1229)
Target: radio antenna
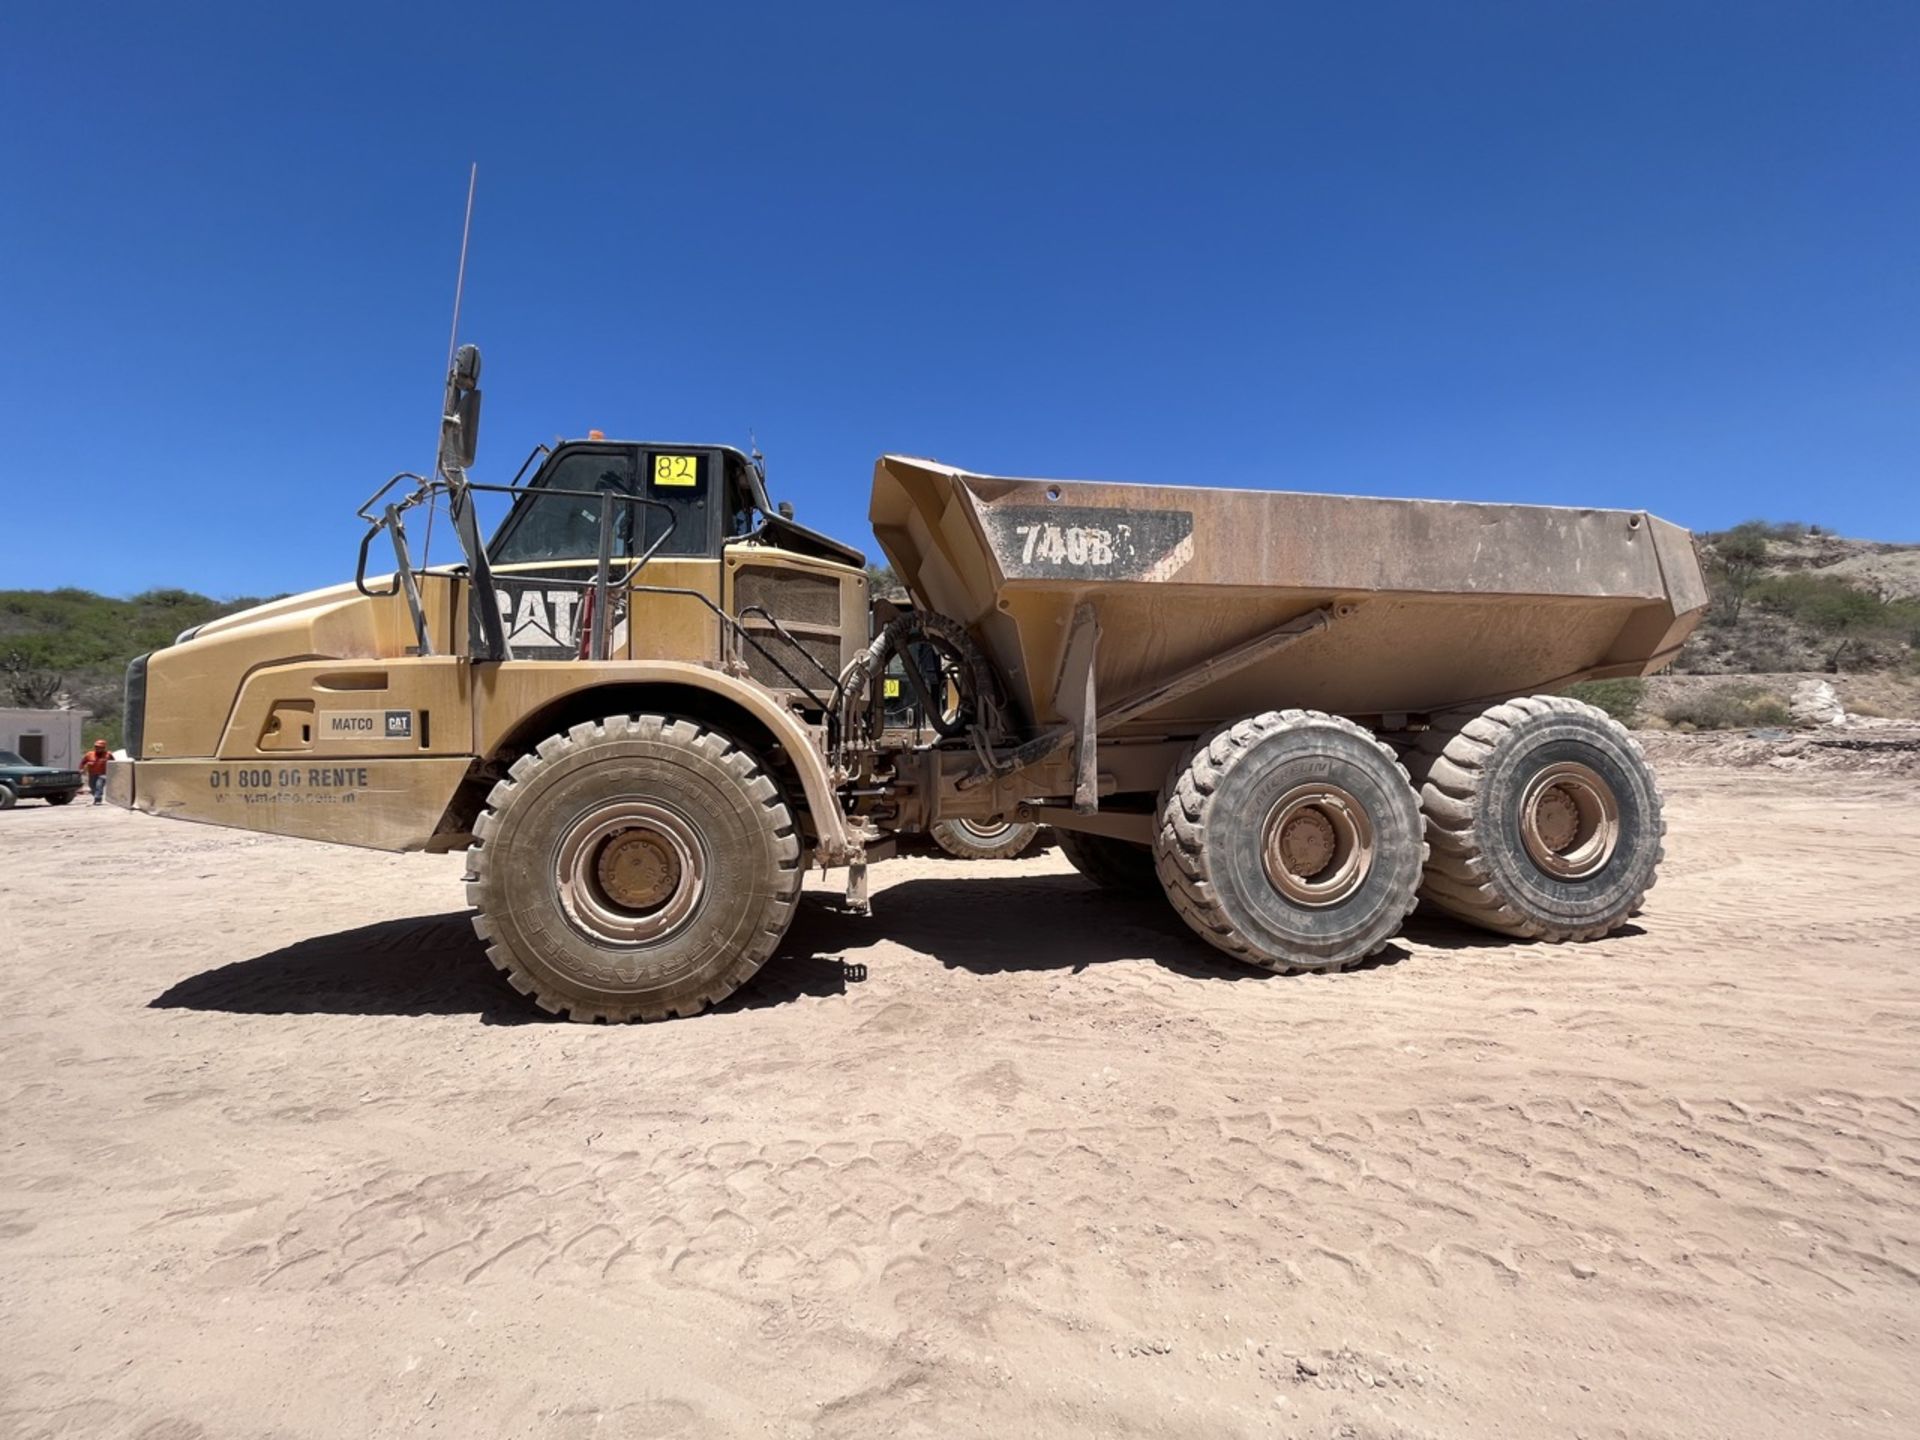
point(453, 337)
point(460, 280)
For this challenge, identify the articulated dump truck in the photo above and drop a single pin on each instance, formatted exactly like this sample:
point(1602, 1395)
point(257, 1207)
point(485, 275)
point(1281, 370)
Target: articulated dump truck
point(651, 701)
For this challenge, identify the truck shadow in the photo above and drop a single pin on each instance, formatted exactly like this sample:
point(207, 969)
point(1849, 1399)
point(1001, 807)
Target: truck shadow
point(434, 964)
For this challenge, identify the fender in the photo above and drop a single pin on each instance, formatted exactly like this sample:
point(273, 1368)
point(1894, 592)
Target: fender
point(506, 693)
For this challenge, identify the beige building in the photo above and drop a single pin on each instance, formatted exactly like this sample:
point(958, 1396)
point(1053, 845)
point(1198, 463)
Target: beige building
point(44, 737)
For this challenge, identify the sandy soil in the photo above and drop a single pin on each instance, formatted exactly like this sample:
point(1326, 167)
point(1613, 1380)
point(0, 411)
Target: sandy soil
point(283, 1157)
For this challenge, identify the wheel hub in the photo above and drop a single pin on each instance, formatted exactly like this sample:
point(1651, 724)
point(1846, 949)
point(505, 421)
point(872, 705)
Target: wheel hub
point(630, 872)
point(1318, 845)
point(1569, 820)
point(638, 869)
point(1307, 843)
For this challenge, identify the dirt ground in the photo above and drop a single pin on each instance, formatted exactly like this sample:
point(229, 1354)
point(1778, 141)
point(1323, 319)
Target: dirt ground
point(283, 1157)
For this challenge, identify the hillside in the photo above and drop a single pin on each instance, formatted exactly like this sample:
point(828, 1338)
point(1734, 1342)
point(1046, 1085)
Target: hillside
point(70, 648)
point(1792, 598)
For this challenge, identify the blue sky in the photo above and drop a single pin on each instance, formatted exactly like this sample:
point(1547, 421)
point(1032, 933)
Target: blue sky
point(1655, 255)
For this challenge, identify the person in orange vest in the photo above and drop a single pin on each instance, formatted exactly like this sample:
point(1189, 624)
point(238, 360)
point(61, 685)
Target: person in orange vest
point(94, 766)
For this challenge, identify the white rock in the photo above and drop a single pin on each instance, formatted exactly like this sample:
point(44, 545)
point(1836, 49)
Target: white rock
point(1815, 703)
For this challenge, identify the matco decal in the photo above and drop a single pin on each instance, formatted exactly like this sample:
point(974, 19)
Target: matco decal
point(366, 724)
point(1084, 542)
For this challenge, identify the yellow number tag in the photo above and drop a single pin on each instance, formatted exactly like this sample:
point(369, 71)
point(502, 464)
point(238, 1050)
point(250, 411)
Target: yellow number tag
point(675, 470)
point(891, 690)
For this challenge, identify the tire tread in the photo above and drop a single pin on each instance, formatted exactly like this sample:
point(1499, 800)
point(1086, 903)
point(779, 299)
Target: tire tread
point(1181, 854)
point(717, 747)
point(1450, 769)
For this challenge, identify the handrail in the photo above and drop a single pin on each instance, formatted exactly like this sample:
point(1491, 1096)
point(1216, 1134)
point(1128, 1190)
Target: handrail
point(784, 634)
point(602, 585)
point(412, 499)
point(744, 634)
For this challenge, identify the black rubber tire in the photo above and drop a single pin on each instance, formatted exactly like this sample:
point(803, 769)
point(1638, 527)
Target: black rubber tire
point(66, 799)
point(1472, 771)
point(747, 837)
point(1110, 863)
point(963, 843)
point(7, 798)
point(1213, 814)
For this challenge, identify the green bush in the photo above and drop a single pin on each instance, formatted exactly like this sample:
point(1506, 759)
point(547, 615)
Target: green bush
point(1726, 707)
point(1619, 698)
point(1764, 656)
point(1763, 530)
point(1734, 560)
point(1849, 618)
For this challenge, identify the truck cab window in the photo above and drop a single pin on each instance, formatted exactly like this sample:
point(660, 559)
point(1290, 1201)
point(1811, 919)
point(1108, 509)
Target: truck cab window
point(567, 527)
point(677, 485)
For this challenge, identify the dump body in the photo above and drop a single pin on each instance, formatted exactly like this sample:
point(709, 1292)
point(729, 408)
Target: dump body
point(1427, 605)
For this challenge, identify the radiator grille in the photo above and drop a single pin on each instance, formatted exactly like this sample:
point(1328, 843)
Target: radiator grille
point(824, 648)
point(789, 594)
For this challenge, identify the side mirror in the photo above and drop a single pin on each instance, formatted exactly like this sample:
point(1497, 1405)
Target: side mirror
point(460, 419)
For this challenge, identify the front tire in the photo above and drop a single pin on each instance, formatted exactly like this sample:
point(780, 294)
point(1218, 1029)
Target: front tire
point(1544, 818)
point(66, 799)
point(634, 868)
point(980, 840)
point(7, 798)
point(1291, 840)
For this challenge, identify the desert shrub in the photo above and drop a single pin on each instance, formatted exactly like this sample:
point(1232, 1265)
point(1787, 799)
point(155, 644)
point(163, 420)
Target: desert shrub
point(1734, 559)
point(1818, 600)
point(1903, 619)
point(1848, 618)
point(1762, 655)
point(1726, 707)
point(1763, 530)
point(1619, 698)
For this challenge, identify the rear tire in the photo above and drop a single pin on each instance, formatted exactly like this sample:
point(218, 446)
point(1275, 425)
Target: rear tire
point(634, 868)
point(1111, 864)
point(1543, 816)
point(979, 840)
point(1291, 840)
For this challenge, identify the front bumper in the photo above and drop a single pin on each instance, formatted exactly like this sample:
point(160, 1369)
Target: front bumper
point(383, 804)
point(120, 784)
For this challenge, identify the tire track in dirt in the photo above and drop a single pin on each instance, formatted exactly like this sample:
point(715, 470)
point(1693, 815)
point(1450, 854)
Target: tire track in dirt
point(1490, 1193)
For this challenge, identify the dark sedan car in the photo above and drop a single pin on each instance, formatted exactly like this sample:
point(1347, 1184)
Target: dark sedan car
point(21, 781)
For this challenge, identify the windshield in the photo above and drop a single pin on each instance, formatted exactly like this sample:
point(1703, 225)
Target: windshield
point(7, 757)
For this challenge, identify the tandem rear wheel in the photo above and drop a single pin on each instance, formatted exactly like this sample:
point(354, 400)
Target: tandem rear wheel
point(1291, 840)
point(1543, 817)
point(634, 868)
